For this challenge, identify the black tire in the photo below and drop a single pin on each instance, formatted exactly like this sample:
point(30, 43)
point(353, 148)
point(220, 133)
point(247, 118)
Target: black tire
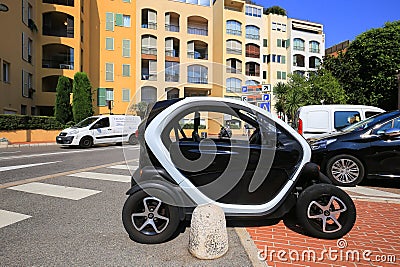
point(86, 142)
point(148, 235)
point(317, 203)
point(133, 140)
point(345, 170)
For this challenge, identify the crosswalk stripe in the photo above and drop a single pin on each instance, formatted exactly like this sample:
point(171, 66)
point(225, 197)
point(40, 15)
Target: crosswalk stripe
point(370, 192)
point(103, 176)
point(9, 217)
point(123, 167)
point(55, 190)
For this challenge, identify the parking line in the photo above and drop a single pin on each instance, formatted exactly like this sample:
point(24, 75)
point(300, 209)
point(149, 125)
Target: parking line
point(52, 190)
point(370, 192)
point(103, 176)
point(123, 167)
point(9, 217)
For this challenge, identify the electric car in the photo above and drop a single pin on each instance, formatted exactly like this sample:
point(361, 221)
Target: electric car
point(264, 176)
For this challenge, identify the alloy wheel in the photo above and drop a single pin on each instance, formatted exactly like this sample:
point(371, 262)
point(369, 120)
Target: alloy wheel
point(345, 170)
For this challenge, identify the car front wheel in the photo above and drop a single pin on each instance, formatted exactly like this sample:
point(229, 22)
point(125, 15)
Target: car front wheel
point(86, 142)
point(325, 211)
point(345, 170)
point(148, 219)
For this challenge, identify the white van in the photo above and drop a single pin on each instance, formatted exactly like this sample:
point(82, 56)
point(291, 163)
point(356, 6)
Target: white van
point(102, 129)
point(316, 120)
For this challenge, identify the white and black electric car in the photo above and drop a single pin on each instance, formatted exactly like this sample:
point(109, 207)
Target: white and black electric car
point(185, 162)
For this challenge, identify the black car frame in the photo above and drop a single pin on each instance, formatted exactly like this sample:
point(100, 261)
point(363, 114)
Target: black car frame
point(367, 149)
point(266, 176)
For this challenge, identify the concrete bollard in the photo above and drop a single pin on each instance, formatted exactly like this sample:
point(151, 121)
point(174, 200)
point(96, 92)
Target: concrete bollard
point(208, 237)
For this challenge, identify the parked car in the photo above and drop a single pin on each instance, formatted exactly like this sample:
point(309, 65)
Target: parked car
point(102, 129)
point(265, 176)
point(317, 120)
point(367, 149)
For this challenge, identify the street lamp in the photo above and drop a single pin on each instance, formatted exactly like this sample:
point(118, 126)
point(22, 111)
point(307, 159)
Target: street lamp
point(3, 8)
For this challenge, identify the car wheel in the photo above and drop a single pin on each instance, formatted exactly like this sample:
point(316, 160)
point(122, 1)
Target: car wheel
point(86, 142)
point(133, 140)
point(325, 211)
point(345, 170)
point(148, 219)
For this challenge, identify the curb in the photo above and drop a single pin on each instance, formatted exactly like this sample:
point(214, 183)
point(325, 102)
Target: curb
point(249, 246)
point(28, 145)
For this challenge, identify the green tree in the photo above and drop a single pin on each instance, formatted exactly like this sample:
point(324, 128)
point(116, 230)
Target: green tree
point(275, 10)
point(82, 106)
point(62, 108)
point(367, 71)
point(323, 86)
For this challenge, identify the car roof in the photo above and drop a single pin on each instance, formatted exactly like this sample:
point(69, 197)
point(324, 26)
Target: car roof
point(339, 106)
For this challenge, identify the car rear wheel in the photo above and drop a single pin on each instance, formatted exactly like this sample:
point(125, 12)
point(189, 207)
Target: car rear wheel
point(148, 219)
point(325, 211)
point(133, 140)
point(86, 142)
point(345, 170)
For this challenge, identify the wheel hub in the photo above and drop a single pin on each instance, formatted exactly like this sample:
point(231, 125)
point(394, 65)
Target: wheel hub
point(345, 170)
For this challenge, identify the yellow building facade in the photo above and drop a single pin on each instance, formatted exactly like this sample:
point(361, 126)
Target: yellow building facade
point(141, 51)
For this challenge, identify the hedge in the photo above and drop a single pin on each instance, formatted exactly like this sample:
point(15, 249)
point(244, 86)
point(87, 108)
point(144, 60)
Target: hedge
point(24, 122)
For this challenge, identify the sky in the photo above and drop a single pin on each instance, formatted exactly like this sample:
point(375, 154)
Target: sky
point(342, 19)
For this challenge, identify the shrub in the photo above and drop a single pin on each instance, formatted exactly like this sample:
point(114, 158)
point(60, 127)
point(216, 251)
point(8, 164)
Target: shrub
point(82, 106)
point(23, 122)
point(62, 109)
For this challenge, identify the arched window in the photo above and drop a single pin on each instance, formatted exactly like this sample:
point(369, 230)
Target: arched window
point(197, 25)
point(148, 94)
point(233, 85)
point(314, 62)
point(233, 27)
point(234, 65)
point(314, 47)
point(298, 44)
point(197, 74)
point(233, 47)
point(149, 45)
point(252, 32)
point(252, 69)
point(149, 19)
point(252, 82)
point(197, 50)
point(172, 93)
point(299, 60)
point(252, 50)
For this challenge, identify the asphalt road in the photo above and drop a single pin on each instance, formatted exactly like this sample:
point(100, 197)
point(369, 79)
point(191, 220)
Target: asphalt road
point(44, 228)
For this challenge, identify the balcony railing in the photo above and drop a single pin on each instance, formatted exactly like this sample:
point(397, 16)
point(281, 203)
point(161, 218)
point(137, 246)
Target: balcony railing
point(234, 32)
point(253, 54)
point(149, 25)
point(171, 77)
point(234, 51)
point(149, 51)
point(69, 32)
point(196, 55)
point(198, 31)
point(233, 90)
point(253, 36)
point(233, 70)
point(171, 53)
point(300, 64)
point(298, 48)
point(60, 2)
point(252, 73)
point(149, 77)
point(171, 28)
point(314, 50)
point(57, 64)
point(198, 80)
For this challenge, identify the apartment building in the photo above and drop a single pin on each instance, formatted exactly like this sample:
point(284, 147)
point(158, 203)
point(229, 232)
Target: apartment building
point(144, 51)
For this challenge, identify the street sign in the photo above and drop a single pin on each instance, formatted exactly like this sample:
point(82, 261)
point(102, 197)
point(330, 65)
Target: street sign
point(266, 87)
point(244, 98)
point(266, 106)
point(244, 89)
point(266, 97)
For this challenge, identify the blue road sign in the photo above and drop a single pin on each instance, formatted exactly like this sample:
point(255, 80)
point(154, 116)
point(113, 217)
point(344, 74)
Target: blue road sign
point(266, 106)
point(266, 97)
point(244, 89)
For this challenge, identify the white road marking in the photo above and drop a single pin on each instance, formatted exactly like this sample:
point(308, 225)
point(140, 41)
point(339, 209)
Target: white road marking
point(94, 150)
point(8, 168)
point(55, 190)
point(370, 192)
point(103, 176)
point(9, 217)
point(123, 167)
point(11, 152)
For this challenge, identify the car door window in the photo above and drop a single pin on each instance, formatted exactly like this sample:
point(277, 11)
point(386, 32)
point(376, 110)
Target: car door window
point(343, 119)
point(396, 123)
point(102, 123)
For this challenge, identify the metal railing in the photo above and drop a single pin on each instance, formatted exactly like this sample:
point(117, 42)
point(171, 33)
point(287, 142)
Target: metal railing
point(198, 31)
point(149, 51)
point(314, 50)
point(253, 54)
point(60, 2)
point(298, 48)
point(233, 70)
point(149, 25)
point(233, 51)
point(171, 53)
point(55, 32)
point(253, 36)
point(198, 80)
point(252, 73)
point(57, 64)
point(149, 77)
point(196, 55)
point(171, 28)
point(234, 32)
point(172, 77)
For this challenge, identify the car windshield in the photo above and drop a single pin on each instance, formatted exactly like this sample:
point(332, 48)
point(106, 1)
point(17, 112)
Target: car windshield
point(85, 122)
point(364, 124)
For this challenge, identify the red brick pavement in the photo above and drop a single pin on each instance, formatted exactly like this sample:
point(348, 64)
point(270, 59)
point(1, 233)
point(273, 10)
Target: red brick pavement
point(376, 229)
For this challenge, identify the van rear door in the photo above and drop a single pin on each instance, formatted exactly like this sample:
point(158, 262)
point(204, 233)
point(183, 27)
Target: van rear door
point(316, 122)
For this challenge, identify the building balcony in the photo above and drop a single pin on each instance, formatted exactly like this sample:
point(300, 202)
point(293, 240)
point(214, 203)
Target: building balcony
point(149, 51)
point(171, 77)
point(253, 73)
point(58, 24)
point(314, 50)
point(60, 2)
point(171, 53)
point(253, 54)
point(298, 48)
point(197, 80)
point(149, 25)
point(253, 36)
point(149, 77)
point(233, 70)
point(233, 51)
point(172, 28)
point(198, 31)
point(234, 32)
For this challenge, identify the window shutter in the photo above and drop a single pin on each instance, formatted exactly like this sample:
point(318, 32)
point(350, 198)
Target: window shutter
point(287, 42)
point(24, 47)
point(279, 42)
point(119, 21)
point(101, 97)
point(283, 60)
point(126, 48)
point(126, 95)
point(25, 83)
point(25, 11)
point(265, 43)
point(109, 21)
point(109, 43)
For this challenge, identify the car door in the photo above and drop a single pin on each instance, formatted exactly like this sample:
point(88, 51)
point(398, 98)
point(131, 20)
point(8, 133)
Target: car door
point(384, 156)
point(236, 169)
point(102, 132)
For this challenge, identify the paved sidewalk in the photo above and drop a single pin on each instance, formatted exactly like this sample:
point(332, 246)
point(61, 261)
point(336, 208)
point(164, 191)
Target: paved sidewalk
point(375, 233)
point(28, 144)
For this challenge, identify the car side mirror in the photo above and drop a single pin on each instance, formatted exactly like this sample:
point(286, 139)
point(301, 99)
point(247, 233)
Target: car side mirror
point(391, 133)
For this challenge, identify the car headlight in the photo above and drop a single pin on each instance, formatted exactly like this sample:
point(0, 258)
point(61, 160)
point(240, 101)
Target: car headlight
point(321, 144)
point(73, 132)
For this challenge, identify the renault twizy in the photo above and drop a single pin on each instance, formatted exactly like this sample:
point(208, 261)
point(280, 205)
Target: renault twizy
point(185, 162)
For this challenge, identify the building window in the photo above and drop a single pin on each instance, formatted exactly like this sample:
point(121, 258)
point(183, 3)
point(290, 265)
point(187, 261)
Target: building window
point(149, 45)
point(233, 85)
point(314, 47)
point(126, 1)
point(264, 75)
point(252, 32)
point(233, 47)
point(265, 43)
point(126, 48)
point(197, 74)
point(252, 50)
point(122, 20)
point(314, 62)
point(29, 50)
point(234, 27)
point(109, 94)
point(298, 60)
point(126, 70)
point(109, 21)
point(126, 95)
point(234, 65)
point(101, 97)
point(172, 93)
point(281, 75)
point(171, 71)
point(6, 72)
point(253, 11)
point(148, 94)
point(109, 72)
point(109, 43)
point(149, 19)
point(172, 22)
point(23, 110)
point(298, 44)
point(26, 83)
point(149, 70)
point(252, 69)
